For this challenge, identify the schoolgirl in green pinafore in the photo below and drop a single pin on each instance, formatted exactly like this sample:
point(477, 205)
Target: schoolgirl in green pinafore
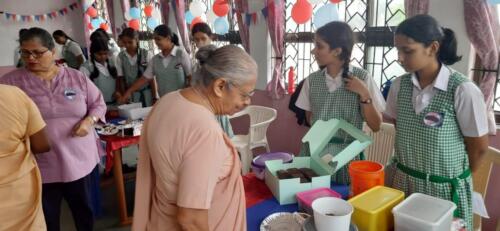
point(339, 91)
point(101, 70)
point(131, 64)
point(437, 113)
point(168, 71)
point(71, 51)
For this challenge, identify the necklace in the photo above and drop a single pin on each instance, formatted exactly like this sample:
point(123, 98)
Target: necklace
point(205, 100)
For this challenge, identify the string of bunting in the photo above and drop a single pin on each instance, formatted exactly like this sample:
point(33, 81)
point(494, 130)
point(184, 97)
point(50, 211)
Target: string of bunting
point(39, 17)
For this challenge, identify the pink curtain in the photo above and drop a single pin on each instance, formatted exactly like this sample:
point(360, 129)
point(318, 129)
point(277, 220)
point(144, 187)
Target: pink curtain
point(179, 7)
point(275, 25)
point(165, 9)
point(414, 7)
point(241, 10)
point(86, 21)
point(111, 16)
point(482, 27)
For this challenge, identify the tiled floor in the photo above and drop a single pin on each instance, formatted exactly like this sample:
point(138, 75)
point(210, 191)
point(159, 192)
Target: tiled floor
point(109, 220)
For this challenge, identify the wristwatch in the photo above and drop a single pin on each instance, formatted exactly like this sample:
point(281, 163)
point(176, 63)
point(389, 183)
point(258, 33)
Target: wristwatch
point(366, 101)
point(94, 119)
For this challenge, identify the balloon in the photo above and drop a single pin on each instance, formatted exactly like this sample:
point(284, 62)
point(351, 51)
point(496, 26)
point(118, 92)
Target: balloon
point(126, 16)
point(315, 2)
point(211, 17)
point(221, 8)
point(189, 17)
point(301, 11)
point(104, 26)
point(152, 23)
point(493, 2)
point(92, 12)
point(156, 14)
point(336, 1)
point(196, 21)
point(325, 14)
point(197, 8)
point(221, 26)
point(96, 22)
point(134, 24)
point(135, 13)
point(148, 10)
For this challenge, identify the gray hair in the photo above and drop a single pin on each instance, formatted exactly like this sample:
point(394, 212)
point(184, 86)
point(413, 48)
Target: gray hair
point(229, 62)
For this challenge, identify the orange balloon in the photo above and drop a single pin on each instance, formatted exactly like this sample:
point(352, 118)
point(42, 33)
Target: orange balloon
point(335, 1)
point(221, 8)
point(134, 24)
point(196, 21)
point(104, 26)
point(301, 11)
point(92, 12)
point(148, 10)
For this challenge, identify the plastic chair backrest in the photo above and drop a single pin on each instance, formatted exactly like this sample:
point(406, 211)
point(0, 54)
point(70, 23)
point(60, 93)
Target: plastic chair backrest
point(481, 177)
point(382, 148)
point(260, 118)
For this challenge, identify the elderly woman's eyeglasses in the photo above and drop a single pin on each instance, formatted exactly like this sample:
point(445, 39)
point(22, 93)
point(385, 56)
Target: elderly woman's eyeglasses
point(244, 95)
point(36, 54)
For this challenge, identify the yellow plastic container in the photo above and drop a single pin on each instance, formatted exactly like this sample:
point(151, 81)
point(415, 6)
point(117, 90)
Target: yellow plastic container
point(373, 208)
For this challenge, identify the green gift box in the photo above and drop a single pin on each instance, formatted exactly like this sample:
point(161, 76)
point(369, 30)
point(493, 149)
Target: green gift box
point(315, 140)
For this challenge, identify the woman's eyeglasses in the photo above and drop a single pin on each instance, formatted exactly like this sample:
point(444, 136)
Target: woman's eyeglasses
point(36, 54)
point(244, 95)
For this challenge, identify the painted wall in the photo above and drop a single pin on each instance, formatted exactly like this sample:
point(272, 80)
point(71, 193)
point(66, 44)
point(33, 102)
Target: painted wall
point(452, 18)
point(71, 23)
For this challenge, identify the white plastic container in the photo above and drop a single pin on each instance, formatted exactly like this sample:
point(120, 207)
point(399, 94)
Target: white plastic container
point(135, 113)
point(331, 213)
point(422, 212)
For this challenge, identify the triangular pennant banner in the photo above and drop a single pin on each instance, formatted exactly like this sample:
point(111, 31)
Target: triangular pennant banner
point(254, 18)
point(264, 12)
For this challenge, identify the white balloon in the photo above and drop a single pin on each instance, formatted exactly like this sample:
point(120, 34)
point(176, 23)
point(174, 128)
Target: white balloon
point(197, 8)
point(126, 16)
point(211, 16)
point(156, 14)
point(314, 2)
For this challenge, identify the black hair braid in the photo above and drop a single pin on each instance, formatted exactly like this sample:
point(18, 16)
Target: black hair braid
point(346, 56)
point(95, 72)
point(112, 70)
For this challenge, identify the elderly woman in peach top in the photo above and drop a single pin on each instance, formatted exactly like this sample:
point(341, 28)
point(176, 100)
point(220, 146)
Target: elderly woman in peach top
point(189, 172)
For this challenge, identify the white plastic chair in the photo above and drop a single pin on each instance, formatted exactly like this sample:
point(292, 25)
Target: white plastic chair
point(382, 148)
point(260, 118)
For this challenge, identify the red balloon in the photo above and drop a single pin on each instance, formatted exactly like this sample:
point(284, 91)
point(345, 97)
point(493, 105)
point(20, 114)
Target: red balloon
point(196, 21)
point(221, 8)
point(148, 10)
point(336, 1)
point(134, 24)
point(104, 26)
point(301, 11)
point(92, 12)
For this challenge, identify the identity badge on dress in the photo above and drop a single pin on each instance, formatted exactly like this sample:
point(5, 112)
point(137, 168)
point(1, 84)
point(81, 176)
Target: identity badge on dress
point(69, 94)
point(434, 119)
point(178, 66)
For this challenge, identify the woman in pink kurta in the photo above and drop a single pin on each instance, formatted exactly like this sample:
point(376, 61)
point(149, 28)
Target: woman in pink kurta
point(188, 174)
point(70, 104)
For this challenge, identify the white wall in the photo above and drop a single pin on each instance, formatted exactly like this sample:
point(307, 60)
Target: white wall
point(70, 23)
point(450, 14)
point(260, 45)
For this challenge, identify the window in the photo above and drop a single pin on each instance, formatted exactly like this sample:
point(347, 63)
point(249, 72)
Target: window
point(371, 20)
point(225, 39)
point(148, 43)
